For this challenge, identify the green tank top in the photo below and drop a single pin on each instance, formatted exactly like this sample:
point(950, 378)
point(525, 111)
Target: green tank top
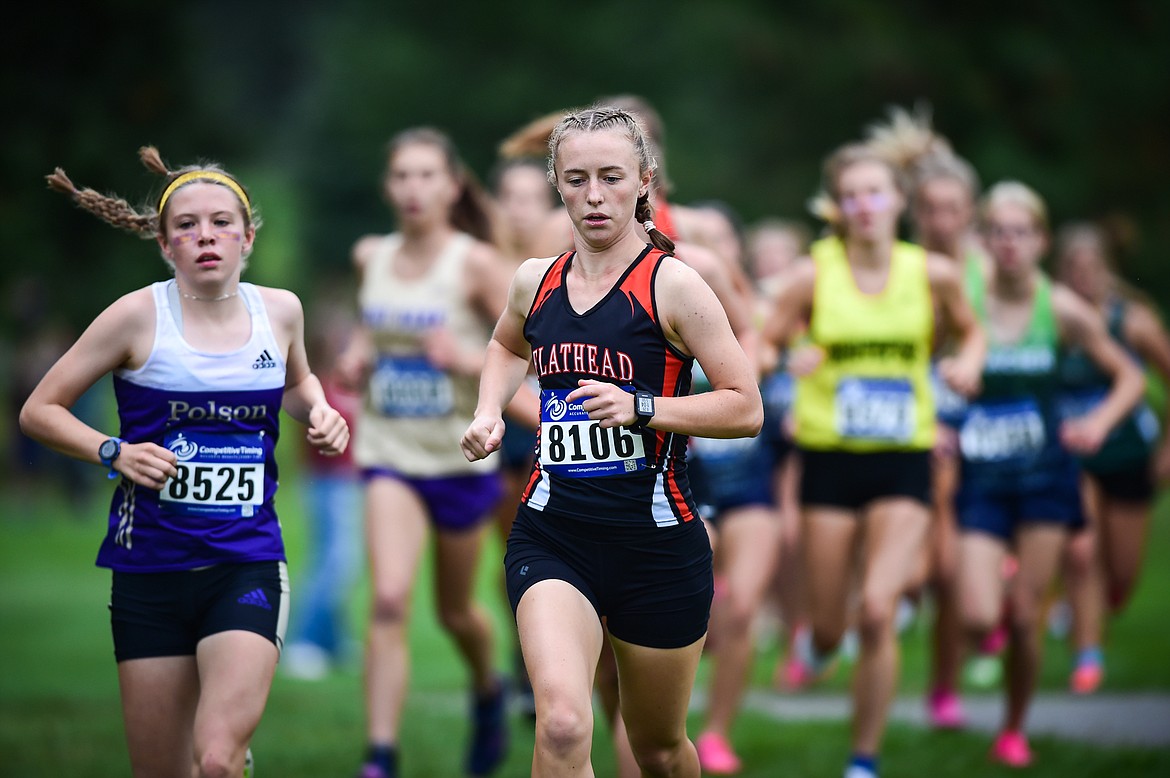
point(973, 280)
point(1013, 421)
point(1083, 386)
point(872, 391)
point(1027, 366)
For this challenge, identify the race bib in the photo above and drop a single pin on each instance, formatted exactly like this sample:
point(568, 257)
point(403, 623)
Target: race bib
point(572, 444)
point(410, 387)
point(875, 409)
point(220, 475)
point(1002, 431)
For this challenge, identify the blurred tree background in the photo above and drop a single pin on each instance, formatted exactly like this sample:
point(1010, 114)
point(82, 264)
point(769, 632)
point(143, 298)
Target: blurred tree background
point(299, 98)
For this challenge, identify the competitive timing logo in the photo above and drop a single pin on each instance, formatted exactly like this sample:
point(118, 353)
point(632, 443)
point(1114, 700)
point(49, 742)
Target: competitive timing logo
point(184, 449)
point(555, 408)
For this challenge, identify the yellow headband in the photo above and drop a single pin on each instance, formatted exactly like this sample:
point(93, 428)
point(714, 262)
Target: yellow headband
point(212, 175)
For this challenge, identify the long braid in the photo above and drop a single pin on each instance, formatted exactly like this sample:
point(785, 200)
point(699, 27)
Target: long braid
point(112, 210)
point(644, 215)
point(146, 223)
point(152, 160)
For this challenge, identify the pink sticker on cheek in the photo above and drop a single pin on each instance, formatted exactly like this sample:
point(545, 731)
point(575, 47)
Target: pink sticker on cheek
point(183, 238)
point(875, 202)
point(231, 235)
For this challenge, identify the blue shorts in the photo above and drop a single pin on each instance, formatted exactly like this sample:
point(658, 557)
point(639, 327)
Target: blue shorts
point(1001, 512)
point(776, 440)
point(653, 585)
point(727, 474)
point(167, 614)
point(455, 503)
point(518, 447)
point(777, 391)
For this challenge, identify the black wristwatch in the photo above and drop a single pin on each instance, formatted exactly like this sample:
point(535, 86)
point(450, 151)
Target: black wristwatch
point(108, 451)
point(643, 408)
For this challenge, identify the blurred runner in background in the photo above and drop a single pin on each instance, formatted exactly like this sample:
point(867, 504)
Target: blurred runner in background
point(428, 296)
point(1018, 488)
point(1120, 480)
point(865, 417)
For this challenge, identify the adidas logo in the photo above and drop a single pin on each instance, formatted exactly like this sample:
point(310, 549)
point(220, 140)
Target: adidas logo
point(264, 360)
point(256, 597)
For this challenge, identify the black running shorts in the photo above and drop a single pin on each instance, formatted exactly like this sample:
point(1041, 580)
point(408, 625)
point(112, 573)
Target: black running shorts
point(167, 614)
point(652, 584)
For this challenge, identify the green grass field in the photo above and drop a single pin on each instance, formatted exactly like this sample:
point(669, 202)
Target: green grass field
point(60, 716)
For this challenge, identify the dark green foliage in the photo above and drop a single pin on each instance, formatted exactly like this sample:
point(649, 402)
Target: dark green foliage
point(1073, 98)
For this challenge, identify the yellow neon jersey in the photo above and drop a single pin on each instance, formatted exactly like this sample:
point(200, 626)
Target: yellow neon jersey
point(872, 392)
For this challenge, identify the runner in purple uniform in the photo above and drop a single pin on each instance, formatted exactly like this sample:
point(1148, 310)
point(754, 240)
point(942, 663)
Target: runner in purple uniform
point(202, 366)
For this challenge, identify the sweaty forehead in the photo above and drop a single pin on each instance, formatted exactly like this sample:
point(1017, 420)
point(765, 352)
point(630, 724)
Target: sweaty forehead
point(591, 149)
point(1010, 214)
point(418, 155)
point(865, 173)
point(203, 196)
point(943, 189)
point(523, 177)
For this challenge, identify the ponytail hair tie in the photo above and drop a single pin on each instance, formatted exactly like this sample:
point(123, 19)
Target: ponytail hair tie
point(648, 225)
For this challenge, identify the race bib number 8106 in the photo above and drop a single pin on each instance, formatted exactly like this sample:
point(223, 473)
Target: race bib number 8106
point(572, 444)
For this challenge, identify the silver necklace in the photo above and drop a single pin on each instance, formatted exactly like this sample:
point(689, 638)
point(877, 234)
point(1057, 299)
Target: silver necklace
point(226, 296)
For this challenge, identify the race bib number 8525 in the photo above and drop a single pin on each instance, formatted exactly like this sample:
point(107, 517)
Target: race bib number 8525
point(572, 444)
point(218, 475)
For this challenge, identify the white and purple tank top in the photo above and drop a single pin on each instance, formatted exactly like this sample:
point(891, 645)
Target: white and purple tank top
point(220, 414)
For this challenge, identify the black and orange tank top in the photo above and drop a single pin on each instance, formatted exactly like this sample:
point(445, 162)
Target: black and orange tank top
point(619, 475)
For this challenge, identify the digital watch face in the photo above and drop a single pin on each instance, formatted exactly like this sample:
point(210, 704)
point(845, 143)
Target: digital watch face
point(108, 450)
point(645, 405)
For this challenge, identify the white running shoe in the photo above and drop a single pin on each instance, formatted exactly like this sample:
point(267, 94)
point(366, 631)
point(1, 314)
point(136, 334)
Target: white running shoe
point(304, 661)
point(857, 771)
point(819, 667)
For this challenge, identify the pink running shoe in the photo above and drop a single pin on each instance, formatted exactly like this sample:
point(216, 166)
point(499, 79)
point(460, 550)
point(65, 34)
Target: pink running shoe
point(1011, 749)
point(791, 675)
point(1086, 678)
point(995, 641)
point(371, 770)
point(715, 755)
point(945, 711)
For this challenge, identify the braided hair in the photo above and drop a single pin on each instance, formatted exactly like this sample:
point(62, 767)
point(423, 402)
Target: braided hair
point(605, 117)
point(147, 222)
